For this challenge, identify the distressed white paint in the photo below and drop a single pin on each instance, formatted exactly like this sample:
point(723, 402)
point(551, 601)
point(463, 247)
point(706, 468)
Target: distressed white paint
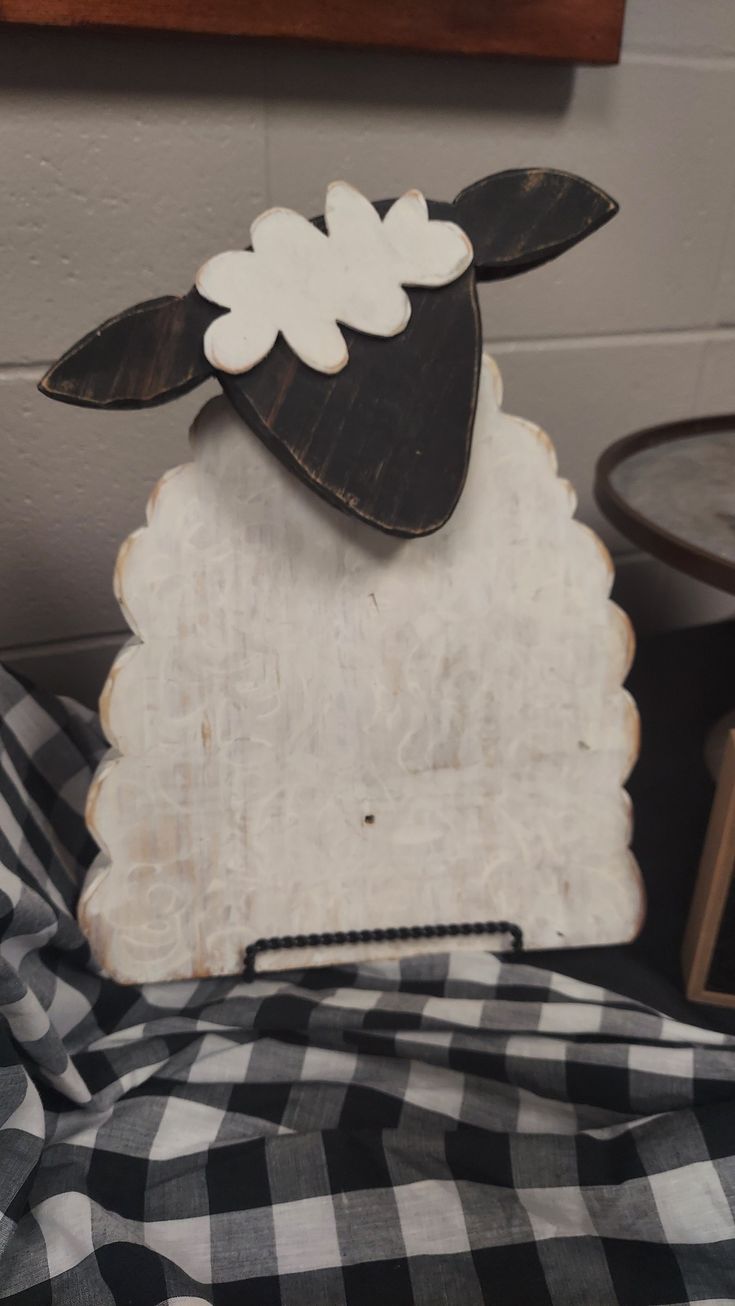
point(297, 672)
point(300, 282)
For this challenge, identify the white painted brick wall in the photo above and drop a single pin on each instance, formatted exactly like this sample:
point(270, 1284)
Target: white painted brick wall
point(128, 160)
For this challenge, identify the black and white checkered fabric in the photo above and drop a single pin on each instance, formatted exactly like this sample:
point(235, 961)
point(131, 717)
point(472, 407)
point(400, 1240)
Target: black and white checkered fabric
point(461, 1129)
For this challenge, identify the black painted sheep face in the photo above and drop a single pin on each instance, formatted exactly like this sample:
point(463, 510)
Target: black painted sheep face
point(387, 438)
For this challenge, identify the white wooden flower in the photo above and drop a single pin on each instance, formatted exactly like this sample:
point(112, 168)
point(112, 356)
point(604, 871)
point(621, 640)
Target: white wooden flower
point(300, 282)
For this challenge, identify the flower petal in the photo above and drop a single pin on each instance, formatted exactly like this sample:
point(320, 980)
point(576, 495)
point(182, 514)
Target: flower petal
point(318, 343)
point(237, 341)
point(429, 253)
point(347, 213)
point(301, 282)
point(226, 278)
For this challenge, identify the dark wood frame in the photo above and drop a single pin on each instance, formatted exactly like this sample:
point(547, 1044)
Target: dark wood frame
point(669, 548)
point(712, 891)
point(585, 31)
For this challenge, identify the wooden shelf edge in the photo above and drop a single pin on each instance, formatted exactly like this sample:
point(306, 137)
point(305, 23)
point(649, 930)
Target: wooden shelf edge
point(555, 30)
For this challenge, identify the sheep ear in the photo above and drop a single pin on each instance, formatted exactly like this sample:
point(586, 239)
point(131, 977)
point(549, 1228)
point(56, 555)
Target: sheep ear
point(147, 355)
point(527, 216)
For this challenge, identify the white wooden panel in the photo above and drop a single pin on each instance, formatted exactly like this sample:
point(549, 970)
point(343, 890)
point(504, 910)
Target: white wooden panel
point(655, 597)
point(657, 136)
point(125, 163)
point(319, 727)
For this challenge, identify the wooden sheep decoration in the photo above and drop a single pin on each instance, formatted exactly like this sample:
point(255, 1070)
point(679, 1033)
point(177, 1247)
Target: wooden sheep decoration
point(345, 742)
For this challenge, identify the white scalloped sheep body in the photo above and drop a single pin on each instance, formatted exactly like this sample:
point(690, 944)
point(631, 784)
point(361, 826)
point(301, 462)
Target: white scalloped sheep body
point(318, 727)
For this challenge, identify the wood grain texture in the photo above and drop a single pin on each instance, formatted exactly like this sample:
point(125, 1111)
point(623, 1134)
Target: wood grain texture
point(295, 674)
point(706, 941)
point(143, 356)
point(541, 29)
point(388, 439)
point(524, 217)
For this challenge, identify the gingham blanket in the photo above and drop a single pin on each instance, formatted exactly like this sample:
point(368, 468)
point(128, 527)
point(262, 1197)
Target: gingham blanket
point(457, 1130)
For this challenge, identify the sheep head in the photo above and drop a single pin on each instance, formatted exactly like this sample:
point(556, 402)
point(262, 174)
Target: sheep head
point(377, 416)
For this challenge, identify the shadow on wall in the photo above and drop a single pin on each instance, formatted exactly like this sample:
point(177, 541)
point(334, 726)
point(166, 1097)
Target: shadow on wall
point(52, 61)
point(657, 597)
point(77, 669)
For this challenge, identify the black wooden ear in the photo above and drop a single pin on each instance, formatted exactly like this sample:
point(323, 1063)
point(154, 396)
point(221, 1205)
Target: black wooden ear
point(147, 355)
point(524, 217)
